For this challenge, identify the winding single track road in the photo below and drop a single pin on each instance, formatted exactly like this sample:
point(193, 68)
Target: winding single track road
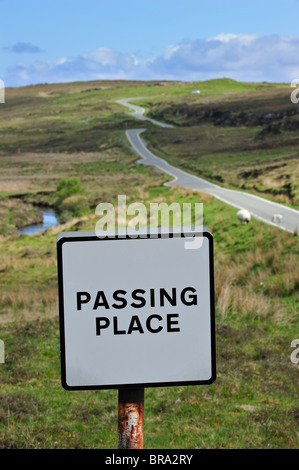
point(259, 208)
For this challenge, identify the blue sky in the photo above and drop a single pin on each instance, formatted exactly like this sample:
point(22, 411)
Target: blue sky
point(67, 40)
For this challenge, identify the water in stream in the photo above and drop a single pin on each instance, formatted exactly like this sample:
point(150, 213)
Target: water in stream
point(49, 221)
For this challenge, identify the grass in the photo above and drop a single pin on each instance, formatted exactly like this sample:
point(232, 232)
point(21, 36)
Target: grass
point(252, 404)
point(254, 401)
point(16, 214)
point(246, 138)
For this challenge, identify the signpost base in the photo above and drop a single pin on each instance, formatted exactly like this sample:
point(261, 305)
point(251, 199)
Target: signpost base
point(130, 418)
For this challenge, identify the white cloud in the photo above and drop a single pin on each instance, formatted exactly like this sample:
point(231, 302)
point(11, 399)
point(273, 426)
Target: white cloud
point(244, 39)
point(241, 57)
point(170, 51)
point(61, 61)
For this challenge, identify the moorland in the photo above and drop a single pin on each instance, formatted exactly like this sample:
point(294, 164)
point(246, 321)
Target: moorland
point(63, 146)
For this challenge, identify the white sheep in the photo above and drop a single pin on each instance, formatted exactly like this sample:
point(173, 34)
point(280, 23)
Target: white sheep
point(243, 216)
point(276, 218)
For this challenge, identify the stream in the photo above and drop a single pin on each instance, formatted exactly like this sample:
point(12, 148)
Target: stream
point(49, 221)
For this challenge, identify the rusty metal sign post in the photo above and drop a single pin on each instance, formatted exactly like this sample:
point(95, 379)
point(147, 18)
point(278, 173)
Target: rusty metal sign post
point(130, 418)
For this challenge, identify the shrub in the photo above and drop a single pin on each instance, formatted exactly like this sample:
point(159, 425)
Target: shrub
point(66, 188)
point(77, 206)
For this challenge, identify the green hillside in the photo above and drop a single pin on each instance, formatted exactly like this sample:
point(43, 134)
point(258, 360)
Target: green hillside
point(66, 141)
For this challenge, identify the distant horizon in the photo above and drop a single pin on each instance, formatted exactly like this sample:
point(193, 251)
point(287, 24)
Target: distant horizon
point(144, 81)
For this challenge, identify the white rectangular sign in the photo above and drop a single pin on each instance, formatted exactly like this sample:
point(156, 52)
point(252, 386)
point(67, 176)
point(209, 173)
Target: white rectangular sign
point(136, 311)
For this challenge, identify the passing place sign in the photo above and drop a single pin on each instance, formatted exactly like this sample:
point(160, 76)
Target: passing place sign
point(136, 311)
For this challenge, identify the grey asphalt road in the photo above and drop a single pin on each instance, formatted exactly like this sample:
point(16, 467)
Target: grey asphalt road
point(138, 112)
point(259, 208)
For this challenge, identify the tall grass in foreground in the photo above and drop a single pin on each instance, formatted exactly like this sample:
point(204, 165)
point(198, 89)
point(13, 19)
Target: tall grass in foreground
point(252, 404)
point(255, 282)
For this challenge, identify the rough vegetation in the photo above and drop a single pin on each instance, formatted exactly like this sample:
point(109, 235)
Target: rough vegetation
point(244, 140)
point(71, 137)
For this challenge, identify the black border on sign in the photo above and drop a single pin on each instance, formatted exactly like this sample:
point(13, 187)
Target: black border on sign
point(65, 239)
